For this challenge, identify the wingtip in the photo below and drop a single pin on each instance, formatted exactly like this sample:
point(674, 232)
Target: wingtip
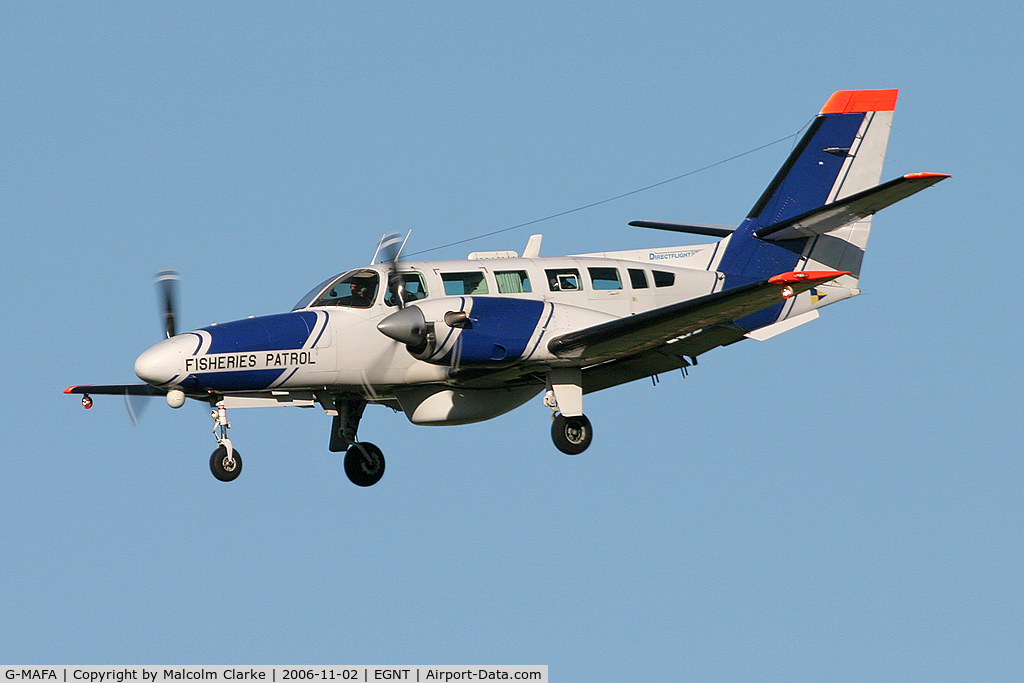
point(804, 275)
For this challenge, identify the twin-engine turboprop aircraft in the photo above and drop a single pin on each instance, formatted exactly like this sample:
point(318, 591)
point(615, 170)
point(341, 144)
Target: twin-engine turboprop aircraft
point(453, 342)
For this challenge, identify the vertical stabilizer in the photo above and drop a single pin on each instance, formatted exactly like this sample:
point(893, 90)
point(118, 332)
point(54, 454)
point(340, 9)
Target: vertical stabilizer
point(840, 154)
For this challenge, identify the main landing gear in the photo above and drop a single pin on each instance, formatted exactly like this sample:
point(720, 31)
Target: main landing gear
point(364, 462)
point(571, 435)
point(570, 428)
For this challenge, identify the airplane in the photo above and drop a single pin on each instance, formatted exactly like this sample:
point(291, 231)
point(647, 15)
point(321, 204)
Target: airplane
point(460, 341)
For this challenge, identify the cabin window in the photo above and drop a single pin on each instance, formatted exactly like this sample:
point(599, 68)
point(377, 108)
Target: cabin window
point(355, 289)
point(605, 278)
point(457, 284)
point(512, 281)
point(564, 279)
point(638, 278)
point(412, 287)
point(663, 279)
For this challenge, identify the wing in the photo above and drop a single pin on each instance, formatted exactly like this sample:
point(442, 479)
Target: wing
point(633, 335)
point(138, 389)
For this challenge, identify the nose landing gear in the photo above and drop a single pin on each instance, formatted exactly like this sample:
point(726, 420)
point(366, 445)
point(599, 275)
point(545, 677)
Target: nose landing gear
point(225, 463)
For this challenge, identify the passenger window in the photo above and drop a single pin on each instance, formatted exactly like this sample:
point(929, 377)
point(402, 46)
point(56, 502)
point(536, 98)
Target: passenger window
point(637, 278)
point(357, 289)
point(457, 284)
point(564, 279)
point(605, 278)
point(512, 281)
point(663, 279)
point(411, 285)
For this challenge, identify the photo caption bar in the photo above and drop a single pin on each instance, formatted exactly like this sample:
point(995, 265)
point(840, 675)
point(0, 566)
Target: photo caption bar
point(275, 674)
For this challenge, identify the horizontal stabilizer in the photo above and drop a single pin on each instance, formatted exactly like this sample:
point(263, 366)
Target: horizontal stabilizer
point(849, 209)
point(690, 228)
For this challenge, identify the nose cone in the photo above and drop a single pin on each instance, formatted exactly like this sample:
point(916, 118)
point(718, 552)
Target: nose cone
point(162, 363)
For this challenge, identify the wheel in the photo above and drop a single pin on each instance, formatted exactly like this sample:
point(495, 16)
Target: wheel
point(364, 464)
point(571, 435)
point(220, 467)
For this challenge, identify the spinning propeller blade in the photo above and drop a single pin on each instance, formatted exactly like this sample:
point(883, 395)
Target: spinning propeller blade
point(135, 406)
point(167, 291)
point(390, 248)
point(167, 299)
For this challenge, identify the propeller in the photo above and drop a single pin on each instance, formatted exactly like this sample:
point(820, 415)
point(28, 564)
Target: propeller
point(390, 247)
point(135, 406)
point(167, 293)
point(167, 300)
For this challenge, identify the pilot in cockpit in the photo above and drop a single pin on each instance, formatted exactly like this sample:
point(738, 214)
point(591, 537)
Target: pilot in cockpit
point(360, 293)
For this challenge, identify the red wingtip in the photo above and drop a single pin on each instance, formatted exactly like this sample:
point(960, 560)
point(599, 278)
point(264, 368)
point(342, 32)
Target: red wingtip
point(927, 175)
point(68, 390)
point(801, 275)
point(860, 101)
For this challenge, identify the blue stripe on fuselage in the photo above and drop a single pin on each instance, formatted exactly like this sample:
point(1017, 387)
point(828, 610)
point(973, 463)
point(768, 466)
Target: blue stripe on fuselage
point(285, 331)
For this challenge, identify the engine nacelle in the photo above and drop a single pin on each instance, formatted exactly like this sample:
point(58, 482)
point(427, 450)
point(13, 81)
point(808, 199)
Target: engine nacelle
point(439, 405)
point(483, 331)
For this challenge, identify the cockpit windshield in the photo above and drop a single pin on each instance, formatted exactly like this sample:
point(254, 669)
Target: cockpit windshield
point(354, 289)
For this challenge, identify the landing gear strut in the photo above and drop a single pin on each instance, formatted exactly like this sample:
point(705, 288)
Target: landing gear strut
point(364, 462)
point(225, 463)
point(570, 428)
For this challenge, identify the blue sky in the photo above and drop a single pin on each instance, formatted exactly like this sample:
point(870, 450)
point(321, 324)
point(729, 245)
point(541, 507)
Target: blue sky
point(838, 503)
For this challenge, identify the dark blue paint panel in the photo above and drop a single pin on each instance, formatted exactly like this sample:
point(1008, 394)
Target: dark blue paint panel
point(802, 184)
point(812, 173)
point(286, 331)
point(501, 329)
point(245, 380)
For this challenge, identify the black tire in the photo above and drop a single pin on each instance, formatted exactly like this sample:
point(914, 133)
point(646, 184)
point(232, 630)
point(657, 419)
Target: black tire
point(364, 464)
point(218, 468)
point(571, 435)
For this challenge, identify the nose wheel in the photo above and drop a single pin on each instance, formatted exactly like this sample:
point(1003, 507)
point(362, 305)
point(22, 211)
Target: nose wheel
point(224, 465)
